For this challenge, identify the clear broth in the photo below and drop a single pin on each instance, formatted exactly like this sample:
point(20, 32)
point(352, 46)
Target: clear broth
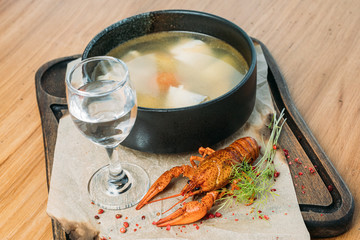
point(178, 69)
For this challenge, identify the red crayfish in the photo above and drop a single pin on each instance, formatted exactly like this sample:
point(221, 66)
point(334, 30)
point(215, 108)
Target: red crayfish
point(213, 172)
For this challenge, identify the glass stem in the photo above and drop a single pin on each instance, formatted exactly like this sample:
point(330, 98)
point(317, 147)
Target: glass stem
point(117, 177)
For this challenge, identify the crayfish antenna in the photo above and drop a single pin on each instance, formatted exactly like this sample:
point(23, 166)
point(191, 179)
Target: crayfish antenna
point(164, 198)
point(184, 198)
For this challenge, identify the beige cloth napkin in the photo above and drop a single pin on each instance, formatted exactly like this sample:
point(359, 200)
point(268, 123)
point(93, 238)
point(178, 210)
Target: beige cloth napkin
point(76, 158)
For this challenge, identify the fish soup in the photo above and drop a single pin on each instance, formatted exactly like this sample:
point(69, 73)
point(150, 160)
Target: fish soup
point(179, 69)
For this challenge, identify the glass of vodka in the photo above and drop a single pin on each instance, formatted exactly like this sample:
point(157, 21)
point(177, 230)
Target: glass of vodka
point(102, 104)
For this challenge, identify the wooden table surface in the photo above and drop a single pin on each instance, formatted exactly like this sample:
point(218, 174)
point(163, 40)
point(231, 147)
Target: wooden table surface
point(316, 44)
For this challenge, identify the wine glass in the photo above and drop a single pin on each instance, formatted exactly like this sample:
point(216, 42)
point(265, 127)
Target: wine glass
point(103, 106)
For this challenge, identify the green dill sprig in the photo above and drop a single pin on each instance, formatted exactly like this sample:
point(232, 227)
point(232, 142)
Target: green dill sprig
point(255, 182)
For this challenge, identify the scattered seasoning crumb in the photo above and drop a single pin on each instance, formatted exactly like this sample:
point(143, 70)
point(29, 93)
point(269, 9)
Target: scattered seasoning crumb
point(286, 152)
point(217, 214)
point(260, 217)
point(211, 215)
point(330, 188)
point(168, 227)
point(123, 230)
point(311, 170)
point(273, 190)
point(274, 147)
point(236, 219)
point(143, 218)
point(259, 211)
point(92, 203)
point(96, 217)
point(276, 174)
point(285, 213)
point(154, 223)
point(303, 192)
point(137, 225)
point(157, 214)
point(302, 186)
point(100, 211)
point(321, 214)
point(266, 217)
point(300, 173)
point(135, 229)
point(126, 218)
point(118, 216)
point(126, 224)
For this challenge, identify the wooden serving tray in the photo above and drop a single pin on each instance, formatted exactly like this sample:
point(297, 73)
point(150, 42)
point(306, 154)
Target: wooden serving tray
point(326, 203)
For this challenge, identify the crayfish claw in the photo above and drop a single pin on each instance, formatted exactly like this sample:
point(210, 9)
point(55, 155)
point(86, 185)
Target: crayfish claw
point(190, 212)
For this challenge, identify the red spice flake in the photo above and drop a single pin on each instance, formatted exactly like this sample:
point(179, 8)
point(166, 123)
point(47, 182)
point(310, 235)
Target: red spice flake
point(260, 217)
point(276, 174)
point(123, 230)
point(302, 186)
point(321, 214)
point(296, 176)
point(92, 203)
point(303, 192)
point(286, 152)
point(290, 163)
point(266, 217)
point(126, 224)
point(211, 215)
point(297, 161)
point(274, 147)
point(236, 219)
point(330, 188)
point(273, 190)
point(135, 229)
point(168, 227)
point(184, 226)
point(233, 214)
point(96, 217)
point(143, 218)
point(285, 213)
point(137, 225)
point(217, 214)
point(126, 218)
point(311, 170)
point(300, 173)
point(259, 211)
point(157, 214)
point(153, 223)
point(100, 211)
point(118, 216)
point(104, 238)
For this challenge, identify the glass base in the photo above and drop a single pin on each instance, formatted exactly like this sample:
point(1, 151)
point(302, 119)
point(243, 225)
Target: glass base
point(120, 196)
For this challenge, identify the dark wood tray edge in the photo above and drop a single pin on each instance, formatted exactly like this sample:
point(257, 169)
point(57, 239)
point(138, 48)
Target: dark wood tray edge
point(340, 213)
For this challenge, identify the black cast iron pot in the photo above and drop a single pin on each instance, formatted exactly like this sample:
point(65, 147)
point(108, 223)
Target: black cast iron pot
point(185, 129)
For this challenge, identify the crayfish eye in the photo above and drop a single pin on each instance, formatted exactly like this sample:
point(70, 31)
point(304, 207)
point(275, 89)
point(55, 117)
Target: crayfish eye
point(188, 181)
point(197, 188)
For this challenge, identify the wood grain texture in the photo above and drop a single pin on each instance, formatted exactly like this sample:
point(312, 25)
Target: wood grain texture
point(315, 43)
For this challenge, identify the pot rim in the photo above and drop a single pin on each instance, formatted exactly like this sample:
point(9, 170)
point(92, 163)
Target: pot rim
point(184, 12)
